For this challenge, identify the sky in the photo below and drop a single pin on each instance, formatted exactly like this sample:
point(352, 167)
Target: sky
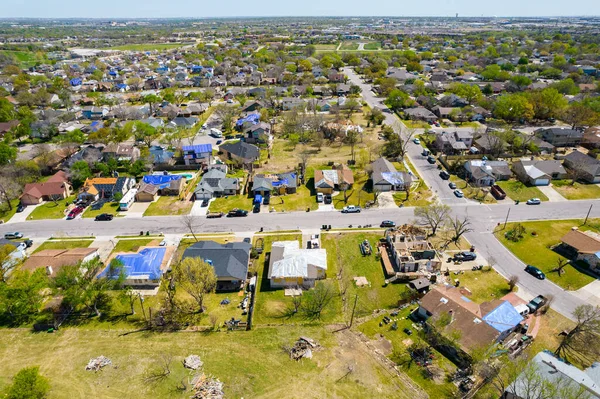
point(247, 8)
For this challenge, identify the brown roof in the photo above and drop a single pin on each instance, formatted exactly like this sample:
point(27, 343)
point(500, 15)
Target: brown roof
point(38, 190)
point(56, 258)
point(60, 176)
point(581, 242)
point(6, 126)
point(466, 316)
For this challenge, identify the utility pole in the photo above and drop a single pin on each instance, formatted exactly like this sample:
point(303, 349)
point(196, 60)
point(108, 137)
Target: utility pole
point(506, 220)
point(588, 214)
point(353, 309)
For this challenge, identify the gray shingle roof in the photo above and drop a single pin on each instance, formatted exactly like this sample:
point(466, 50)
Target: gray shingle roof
point(229, 260)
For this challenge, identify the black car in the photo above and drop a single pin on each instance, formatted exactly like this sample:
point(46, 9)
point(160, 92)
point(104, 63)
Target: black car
point(444, 175)
point(266, 200)
point(204, 203)
point(465, 256)
point(535, 272)
point(104, 217)
point(247, 240)
point(20, 207)
point(229, 137)
point(536, 303)
point(256, 208)
point(237, 213)
point(328, 199)
point(388, 223)
point(431, 159)
point(408, 331)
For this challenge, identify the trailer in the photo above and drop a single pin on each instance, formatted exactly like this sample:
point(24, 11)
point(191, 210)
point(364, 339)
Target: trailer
point(127, 200)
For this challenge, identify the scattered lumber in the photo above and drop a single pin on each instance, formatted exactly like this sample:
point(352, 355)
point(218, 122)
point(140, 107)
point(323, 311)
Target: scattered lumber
point(98, 363)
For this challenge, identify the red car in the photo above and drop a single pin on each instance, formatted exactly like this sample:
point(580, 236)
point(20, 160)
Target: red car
point(74, 212)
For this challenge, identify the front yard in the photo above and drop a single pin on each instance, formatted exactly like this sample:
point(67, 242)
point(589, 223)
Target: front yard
point(535, 249)
point(65, 244)
point(107, 207)
point(475, 193)
point(133, 245)
point(577, 191)
point(225, 204)
point(517, 191)
point(169, 206)
point(52, 210)
point(359, 194)
point(5, 213)
point(419, 195)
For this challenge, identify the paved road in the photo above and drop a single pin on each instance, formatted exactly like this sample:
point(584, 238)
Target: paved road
point(485, 217)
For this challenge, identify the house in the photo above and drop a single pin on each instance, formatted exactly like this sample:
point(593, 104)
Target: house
point(385, 177)
point(445, 112)
point(197, 154)
point(283, 183)
point(240, 152)
point(230, 261)
point(554, 376)
point(160, 156)
point(420, 114)
point(142, 269)
point(538, 172)
point(288, 103)
point(478, 325)
point(92, 112)
point(421, 285)
point(560, 136)
point(163, 184)
point(122, 152)
point(485, 173)
point(409, 250)
point(252, 106)
point(54, 259)
point(8, 126)
point(542, 146)
point(89, 153)
point(258, 133)
point(586, 167)
point(55, 188)
point(105, 187)
point(591, 137)
point(342, 89)
point(328, 181)
point(182, 121)
point(290, 266)
point(490, 144)
point(215, 183)
point(453, 142)
point(583, 246)
point(399, 74)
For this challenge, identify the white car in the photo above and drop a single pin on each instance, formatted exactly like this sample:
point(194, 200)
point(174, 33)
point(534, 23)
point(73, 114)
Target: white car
point(416, 141)
point(534, 201)
point(320, 197)
point(13, 235)
point(459, 193)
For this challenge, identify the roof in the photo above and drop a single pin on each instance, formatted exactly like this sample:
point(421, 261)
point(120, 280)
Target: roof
point(57, 258)
point(384, 170)
point(504, 317)
point(538, 168)
point(331, 178)
point(215, 180)
point(163, 181)
point(288, 260)
point(39, 190)
point(198, 148)
point(579, 160)
point(582, 242)
point(143, 265)
point(242, 150)
point(230, 260)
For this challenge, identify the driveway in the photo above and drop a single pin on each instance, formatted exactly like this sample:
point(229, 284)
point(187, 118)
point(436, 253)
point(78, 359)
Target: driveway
point(22, 216)
point(551, 193)
point(386, 201)
point(198, 209)
point(137, 210)
point(326, 208)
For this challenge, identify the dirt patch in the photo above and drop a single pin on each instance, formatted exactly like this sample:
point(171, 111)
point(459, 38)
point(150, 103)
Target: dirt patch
point(407, 342)
point(383, 345)
point(438, 375)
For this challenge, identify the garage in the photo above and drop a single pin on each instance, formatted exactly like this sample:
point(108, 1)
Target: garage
point(541, 182)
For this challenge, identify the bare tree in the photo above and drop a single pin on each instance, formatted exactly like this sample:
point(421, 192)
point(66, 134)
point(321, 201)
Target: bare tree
point(459, 228)
point(304, 156)
point(561, 263)
point(317, 300)
point(581, 342)
point(512, 282)
point(351, 139)
point(190, 222)
point(161, 371)
point(345, 187)
point(434, 216)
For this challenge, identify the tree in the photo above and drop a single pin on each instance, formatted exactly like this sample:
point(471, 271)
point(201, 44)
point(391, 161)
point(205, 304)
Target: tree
point(459, 228)
point(304, 156)
point(520, 82)
point(581, 342)
point(137, 168)
point(351, 139)
point(471, 93)
point(398, 99)
point(8, 154)
point(433, 216)
point(226, 115)
point(195, 277)
point(512, 282)
point(579, 115)
point(28, 384)
point(189, 222)
point(547, 103)
point(79, 172)
point(146, 133)
point(351, 106)
point(317, 299)
point(567, 86)
point(513, 107)
point(151, 99)
point(20, 296)
point(561, 263)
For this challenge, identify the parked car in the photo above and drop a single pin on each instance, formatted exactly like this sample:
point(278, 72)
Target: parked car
point(74, 212)
point(534, 201)
point(431, 159)
point(20, 207)
point(407, 331)
point(536, 303)
point(425, 152)
point(388, 223)
point(444, 175)
point(237, 213)
point(13, 235)
point(266, 200)
point(204, 203)
point(351, 209)
point(219, 142)
point(247, 240)
point(452, 185)
point(535, 272)
point(465, 256)
point(256, 208)
point(214, 215)
point(229, 137)
point(459, 193)
point(320, 197)
point(104, 217)
point(328, 199)
point(416, 141)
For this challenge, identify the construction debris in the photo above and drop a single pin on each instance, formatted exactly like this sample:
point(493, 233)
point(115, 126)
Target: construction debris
point(303, 348)
point(192, 362)
point(98, 363)
point(206, 387)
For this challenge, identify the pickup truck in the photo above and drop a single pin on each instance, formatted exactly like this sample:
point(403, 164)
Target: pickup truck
point(536, 303)
point(214, 215)
point(237, 213)
point(351, 209)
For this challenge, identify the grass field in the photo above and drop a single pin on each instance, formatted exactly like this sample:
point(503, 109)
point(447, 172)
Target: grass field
point(419, 196)
point(134, 244)
point(325, 47)
point(66, 244)
point(108, 207)
point(516, 190)
point(416, 124)
point(474, 193)
point(225, 204)
point(5, 213)
point(357, 195)
point(349, 46)
point(299, 201)
point(147, 46)
point(26, 59)
point(169, 206)
point(373, 46)
point(535, 250)
point(576, 191)
point(485, 285)
point(51, 210)
point(247, 362)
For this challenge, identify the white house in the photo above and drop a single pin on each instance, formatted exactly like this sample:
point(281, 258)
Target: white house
point(291, 266)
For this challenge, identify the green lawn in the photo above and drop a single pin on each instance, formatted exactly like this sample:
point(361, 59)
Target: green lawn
point(419, 196)
point(485, 285)
point(169, 206)
point(66, 244)
point(134, 244)
point(373, 46)
point(474, 193)
point(108, 207)
point(516, 190)
point(416, 124)
point(299, 201)
point(51, 210)
point(349, 46)
point(357, 195)
point(271, 303)
point(147, 46)
point(5, 213)
point(325, 47)
point(535, 250)
point(344, 254)
point(26, 59)
point(225, 204)
point(576, 191)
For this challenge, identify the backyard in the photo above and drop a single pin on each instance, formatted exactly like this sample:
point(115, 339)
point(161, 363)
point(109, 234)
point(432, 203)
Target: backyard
point(534, 249)
point(484, 285)
point(576, 191)
point(169, 206)
point(517, 191)
point(51, 209)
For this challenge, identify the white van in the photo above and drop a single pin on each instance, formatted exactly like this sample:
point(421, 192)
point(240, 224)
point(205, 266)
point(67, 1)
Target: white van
point(216, 133)
point(522, 309)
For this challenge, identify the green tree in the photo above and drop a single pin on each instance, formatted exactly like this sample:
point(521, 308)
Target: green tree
point(137, 168)
point(579, 115)
point(151, 99)
point(566, 86)
point(398, 99)
point(469, 92)
point(7, 110)
point(8, 153)
point(146, 133)
point(28, 384)
point(547, 103)
point(197, 278)
point(513, 107)
point(520, 81)
point(79, 172)
point(20, 296)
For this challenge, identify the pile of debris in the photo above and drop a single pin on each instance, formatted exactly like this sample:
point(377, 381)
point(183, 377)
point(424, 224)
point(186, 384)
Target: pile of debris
point(206, 387)
point(98, 363)
point(192, 362)
point(303, 348)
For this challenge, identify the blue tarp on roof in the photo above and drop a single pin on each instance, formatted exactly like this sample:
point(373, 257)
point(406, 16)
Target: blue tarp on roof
point(395, 178)
point(76, 82)
point(113, 73)
point(252, 118)
point(198, 148)
point(121, 86)
point(162, 181)
point(96, 125)
point(145, 263)
point(504, 317)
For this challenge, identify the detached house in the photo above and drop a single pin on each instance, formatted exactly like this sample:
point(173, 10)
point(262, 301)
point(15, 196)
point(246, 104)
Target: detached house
point(385, 177)
point(215, 183)
point(55, 188)
point(583, 246)
point(586, 167)
point(539, 172)
point(240, 152)
point(153, 185)
point(560, 136)
point(197, 154)
point(328, 181)
point(122, 152)
point(485, 173)
point(290, 266)
point(105, 187)
point(454, 142)
point(420, 114)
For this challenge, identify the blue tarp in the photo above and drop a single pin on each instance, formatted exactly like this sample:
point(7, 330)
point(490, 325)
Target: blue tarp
point(96, 125)
point(252, 118)
point(395, 178)
point(504, 317)
point(257, 199)
point(113, 73)
point(280, 182)
point(121, 86)
point(76, 82)
point(145, 263)
point(198, 148)
point(162, 181)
